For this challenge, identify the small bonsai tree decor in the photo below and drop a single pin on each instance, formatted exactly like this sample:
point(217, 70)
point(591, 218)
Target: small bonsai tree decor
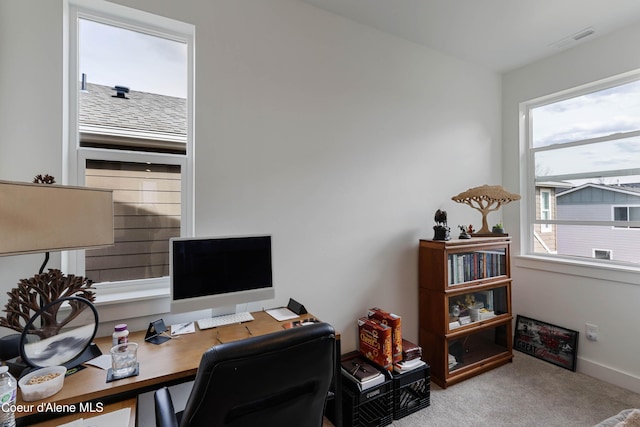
point(486, 198)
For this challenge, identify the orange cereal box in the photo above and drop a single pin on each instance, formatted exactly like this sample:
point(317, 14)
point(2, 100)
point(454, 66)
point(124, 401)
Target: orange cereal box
point(374, 342)
point(395, 322)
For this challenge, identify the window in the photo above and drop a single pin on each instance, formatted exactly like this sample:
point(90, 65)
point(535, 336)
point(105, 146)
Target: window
point(147, 212)
point(626, 214)
point(545, 210)
point(130, 131)
point(583, 172)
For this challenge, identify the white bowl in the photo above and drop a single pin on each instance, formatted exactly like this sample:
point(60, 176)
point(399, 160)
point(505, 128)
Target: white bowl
point(44, 389)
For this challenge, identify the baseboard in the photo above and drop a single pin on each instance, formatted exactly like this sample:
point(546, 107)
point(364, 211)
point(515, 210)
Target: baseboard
point(609, 374)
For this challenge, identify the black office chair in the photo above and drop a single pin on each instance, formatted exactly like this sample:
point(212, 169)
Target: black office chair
point(9, 346)
point(278, 379)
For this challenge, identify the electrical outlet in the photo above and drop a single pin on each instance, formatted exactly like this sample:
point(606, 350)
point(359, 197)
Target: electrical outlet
point(592, 332)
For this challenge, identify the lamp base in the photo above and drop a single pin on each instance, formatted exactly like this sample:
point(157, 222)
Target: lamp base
point(18, 367)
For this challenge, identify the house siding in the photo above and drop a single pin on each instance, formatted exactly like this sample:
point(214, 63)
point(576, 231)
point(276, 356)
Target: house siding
point(146, 214)
point(575, 240)
point(546, 241)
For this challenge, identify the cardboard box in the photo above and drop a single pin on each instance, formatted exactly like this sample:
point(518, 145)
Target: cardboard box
point(395, 322)
point(374, 342)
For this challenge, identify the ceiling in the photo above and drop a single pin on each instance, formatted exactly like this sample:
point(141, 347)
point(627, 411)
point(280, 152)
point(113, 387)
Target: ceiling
point(498, 34)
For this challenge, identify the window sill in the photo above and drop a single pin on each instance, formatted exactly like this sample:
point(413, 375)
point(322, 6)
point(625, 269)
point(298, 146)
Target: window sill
point(614, 273)
point(125, 300)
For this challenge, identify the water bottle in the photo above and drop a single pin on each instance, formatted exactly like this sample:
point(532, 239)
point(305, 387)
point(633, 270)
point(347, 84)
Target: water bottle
point(8, 386)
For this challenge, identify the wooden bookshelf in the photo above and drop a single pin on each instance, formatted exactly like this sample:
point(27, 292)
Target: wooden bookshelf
point(465, 306)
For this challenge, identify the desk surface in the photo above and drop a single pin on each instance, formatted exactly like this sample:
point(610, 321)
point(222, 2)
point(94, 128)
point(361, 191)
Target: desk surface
point(173, 361)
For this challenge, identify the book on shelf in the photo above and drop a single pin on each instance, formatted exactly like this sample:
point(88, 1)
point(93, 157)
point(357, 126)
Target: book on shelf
point(466, 267)
point(452, 361)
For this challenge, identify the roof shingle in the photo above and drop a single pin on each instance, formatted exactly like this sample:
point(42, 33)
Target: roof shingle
point(140, 111)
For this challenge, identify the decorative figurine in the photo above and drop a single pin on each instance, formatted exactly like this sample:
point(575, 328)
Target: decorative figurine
point(463, 233)
point(441, 231)
point(486, 198)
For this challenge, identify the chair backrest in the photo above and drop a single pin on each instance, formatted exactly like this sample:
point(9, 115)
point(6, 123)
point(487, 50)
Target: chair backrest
point(279, 379)
point(9, 346)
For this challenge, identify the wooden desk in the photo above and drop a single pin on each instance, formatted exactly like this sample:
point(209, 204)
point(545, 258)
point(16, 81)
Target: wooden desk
point(172, 362)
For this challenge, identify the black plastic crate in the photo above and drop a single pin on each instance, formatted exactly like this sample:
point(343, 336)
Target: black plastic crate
point(411, 391)
point(372, 407)
point(368, 408)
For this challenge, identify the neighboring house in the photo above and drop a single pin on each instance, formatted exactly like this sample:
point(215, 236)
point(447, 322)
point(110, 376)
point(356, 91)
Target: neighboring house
point(119, 117)
point(595, 202)
point(146, 197)
point(545, 236)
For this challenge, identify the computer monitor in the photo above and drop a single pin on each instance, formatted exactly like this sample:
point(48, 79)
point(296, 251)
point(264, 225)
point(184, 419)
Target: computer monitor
point(214, 272)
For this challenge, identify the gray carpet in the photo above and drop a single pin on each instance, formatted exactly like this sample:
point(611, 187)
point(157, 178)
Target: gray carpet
point(527, 392)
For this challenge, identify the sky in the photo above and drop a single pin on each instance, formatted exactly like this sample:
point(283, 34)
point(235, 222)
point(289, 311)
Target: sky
point(113, 56)
point(597, 114)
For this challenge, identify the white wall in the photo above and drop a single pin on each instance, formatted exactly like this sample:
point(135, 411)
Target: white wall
point(31, 127)
point(339, 140)
point(561, 297)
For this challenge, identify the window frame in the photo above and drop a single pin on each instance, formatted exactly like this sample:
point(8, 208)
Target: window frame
point(76, 156)
point(579, 266)
point(546, 227)
point(628, 209)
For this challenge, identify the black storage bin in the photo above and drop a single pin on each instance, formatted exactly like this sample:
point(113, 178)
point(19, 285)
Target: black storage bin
point(368, 408)
point(411, 391)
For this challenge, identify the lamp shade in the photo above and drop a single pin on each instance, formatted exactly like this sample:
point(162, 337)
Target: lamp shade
point(37, 218)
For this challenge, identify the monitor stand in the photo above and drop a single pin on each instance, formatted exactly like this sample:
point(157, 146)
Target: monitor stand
point(228, 309)
point(221, 311)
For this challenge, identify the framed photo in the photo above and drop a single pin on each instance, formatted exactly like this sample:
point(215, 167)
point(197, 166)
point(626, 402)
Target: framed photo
point(545, 341)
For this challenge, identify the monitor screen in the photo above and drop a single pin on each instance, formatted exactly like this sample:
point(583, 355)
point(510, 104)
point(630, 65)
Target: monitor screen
point(210, 272)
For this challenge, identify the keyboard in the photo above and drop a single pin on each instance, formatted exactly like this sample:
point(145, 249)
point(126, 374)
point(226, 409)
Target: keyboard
point(226, 319)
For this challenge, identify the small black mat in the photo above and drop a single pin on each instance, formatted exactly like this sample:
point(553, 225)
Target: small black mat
point(111, 377)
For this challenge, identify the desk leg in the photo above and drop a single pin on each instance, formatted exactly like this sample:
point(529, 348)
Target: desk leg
point(335, 406)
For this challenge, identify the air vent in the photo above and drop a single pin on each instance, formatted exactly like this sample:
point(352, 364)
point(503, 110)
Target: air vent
point(574, 38)
point(582, 34)
point(121, 92)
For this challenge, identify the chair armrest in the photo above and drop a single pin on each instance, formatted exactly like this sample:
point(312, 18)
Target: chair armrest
point(165, 414)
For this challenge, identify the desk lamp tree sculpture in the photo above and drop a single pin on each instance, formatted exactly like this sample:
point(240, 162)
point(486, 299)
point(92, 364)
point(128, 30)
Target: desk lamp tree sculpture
point(486, 198)
point(43, 288)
